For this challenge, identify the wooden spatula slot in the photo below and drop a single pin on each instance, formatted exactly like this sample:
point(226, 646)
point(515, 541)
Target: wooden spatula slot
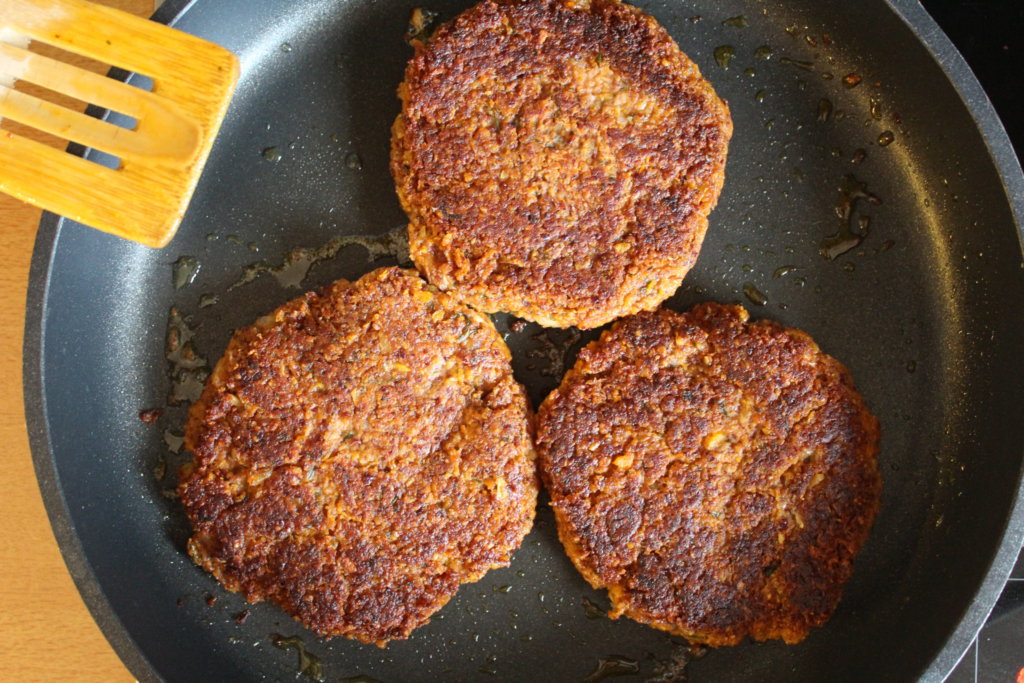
point(41, 83)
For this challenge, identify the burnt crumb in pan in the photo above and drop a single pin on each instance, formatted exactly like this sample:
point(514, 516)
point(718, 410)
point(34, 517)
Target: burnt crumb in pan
point(358, 454)
point(557, 159)
point(717, 476)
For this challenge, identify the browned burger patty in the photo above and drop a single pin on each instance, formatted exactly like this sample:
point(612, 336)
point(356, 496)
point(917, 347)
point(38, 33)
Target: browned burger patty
point(557, 159)
point(359, 453)
point(717, 476)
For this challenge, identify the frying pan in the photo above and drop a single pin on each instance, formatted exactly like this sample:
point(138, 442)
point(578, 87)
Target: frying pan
point(924, 311)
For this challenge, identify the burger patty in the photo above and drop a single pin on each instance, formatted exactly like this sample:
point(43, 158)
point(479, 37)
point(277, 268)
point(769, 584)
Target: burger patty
point(358, 454)
point(717, 476)
point(557, 159)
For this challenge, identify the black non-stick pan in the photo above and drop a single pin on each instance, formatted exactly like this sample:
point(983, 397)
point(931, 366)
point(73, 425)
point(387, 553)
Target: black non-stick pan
point(854, 119)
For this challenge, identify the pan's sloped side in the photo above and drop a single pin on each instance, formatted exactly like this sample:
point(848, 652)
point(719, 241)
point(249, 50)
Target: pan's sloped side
point(1008, 537)
point(62, 519)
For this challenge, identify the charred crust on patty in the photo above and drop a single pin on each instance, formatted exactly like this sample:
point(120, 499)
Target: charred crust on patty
point(717, 476)
point(557, 160)
point(358, 454)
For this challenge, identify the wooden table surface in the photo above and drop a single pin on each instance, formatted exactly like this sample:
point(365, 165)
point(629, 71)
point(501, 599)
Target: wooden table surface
point(46, 632)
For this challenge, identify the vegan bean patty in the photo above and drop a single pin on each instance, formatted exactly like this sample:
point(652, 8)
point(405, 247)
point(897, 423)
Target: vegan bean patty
point(717, 476)
point(358, 454)
point(557, 159)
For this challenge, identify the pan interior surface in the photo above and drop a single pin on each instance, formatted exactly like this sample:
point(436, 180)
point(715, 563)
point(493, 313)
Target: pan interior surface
point(846, 128)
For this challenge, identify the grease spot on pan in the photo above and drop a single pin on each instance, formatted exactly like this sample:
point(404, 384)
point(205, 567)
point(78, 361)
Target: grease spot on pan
point(293, 269)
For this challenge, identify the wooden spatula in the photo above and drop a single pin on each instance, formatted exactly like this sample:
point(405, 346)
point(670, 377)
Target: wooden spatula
point(145, 198)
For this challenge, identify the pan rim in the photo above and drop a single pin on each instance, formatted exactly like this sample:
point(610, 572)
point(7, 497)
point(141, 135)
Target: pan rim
point(927, 32)
point(1001, 151)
